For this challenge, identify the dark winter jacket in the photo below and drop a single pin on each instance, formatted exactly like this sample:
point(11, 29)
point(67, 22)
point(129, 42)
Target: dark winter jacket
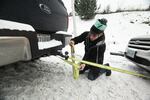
point(94, 50)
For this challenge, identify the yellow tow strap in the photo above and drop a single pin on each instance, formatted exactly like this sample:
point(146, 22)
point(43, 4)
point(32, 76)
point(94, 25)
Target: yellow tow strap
point(110, 68)
point(76, 66)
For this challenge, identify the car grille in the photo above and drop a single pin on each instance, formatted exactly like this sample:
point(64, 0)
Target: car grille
point(142, 44)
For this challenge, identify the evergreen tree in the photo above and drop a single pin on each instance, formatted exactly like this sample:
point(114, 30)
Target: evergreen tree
point(85, 8)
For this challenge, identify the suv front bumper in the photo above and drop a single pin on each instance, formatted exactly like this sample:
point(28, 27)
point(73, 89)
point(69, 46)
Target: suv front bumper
point(139, 57)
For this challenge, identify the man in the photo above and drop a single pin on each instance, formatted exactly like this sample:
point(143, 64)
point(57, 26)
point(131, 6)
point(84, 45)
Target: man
point(94, 41)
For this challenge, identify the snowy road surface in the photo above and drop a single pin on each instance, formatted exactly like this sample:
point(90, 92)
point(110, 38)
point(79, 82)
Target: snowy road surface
point(51, 79)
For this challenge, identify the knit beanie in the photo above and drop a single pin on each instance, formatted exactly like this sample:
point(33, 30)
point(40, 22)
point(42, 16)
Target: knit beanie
point(99, 26)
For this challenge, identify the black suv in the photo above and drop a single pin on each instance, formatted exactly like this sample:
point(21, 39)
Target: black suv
point(47, 17)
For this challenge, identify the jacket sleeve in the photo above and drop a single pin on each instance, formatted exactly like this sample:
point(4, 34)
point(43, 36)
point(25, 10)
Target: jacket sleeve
point(80, 38)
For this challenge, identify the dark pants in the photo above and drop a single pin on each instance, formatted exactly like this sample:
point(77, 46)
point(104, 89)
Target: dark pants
point(94, 69)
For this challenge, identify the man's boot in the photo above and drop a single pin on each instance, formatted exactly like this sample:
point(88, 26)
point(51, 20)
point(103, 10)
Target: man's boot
point(108, 72)
point(93, 75)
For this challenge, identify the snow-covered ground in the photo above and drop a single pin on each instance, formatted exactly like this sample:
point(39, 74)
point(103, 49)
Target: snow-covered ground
point(51, 79)
point(121, 27)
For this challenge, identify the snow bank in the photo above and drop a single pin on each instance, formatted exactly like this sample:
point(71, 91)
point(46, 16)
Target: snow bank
point(115, 5)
